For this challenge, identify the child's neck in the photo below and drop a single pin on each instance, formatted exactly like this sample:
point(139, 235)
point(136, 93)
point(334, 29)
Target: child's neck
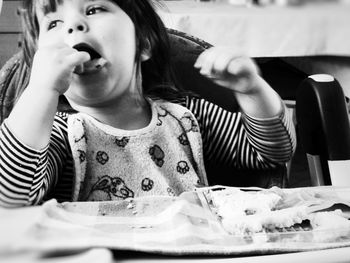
point(124, 114)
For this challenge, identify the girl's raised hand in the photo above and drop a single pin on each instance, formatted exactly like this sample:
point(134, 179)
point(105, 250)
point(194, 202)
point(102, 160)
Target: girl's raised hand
point(228, 69)
point(240, 74)
point(53, 67)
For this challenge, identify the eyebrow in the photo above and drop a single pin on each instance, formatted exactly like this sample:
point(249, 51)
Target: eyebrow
point(99, 0)
point(51, 5)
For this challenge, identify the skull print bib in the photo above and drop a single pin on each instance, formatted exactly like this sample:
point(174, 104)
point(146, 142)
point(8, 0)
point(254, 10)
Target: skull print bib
point(164, 158)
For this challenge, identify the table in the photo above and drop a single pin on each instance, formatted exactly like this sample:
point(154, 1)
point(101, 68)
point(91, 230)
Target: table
point(265, 31)
point(101, 255)
point(314, 38)
point(330, 255)
point(90, 224)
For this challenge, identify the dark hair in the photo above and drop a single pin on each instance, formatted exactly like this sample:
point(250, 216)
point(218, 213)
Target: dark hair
point(158, 77)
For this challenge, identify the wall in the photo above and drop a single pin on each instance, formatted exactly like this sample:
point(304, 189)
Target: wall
point(9, 30)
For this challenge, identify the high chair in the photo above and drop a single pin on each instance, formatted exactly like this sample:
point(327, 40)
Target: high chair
point(184, 50)
point(323, 121)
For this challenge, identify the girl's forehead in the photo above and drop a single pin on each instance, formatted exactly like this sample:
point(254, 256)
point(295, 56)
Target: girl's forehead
point(47, 6)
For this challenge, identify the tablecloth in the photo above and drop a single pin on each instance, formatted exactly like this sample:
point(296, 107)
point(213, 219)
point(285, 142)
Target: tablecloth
point(265, 31)
point(181, 225)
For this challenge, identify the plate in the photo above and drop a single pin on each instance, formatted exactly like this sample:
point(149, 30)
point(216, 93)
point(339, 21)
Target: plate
point(305, 215)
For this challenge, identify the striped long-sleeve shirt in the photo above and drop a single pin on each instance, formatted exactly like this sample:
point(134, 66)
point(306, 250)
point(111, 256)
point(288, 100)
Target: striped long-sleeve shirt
point(29, 176)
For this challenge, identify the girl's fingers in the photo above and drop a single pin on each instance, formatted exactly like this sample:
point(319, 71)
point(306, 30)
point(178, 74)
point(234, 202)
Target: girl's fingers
point(199, 62)
point(205, 61)
point(226, 68)
point(221, 63)
point(235, 67)
point(241, 66)
point(63, 52)
point(77, 58)
point(215, 61)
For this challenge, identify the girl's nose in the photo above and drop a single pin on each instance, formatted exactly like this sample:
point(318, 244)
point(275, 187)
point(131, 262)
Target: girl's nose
point(78, 26)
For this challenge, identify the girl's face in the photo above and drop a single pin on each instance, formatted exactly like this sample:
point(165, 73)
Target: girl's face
point(104, 30)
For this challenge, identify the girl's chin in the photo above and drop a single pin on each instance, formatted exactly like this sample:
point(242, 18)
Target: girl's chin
point(79, 103)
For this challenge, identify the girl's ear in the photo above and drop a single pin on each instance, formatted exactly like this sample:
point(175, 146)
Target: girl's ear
point(146, 53)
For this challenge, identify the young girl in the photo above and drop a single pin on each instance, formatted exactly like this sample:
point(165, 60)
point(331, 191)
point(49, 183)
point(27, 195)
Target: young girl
point(125, 137)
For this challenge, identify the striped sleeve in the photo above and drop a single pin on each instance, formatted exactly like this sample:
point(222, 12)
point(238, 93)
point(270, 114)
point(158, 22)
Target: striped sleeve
point(234, 138)
point(27, 174)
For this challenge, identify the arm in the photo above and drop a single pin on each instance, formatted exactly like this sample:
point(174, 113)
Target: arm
point(231, 138)
point(26, 134)
point(240, 74)
point(263, 133)
point(27, 174)
point(51, 75)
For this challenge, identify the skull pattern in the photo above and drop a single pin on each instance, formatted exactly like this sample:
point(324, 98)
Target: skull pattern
point(82, 156)
point(157, 155)
point(170, 191)
point(102, 157)
point(189, 123)
point(147, 184)
point(122, 142)
point(110, 186)
point(182, 167)
point(183, 139)
point(161, 114)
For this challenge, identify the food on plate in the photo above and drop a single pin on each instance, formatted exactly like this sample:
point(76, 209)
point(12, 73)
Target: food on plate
point(246, 212)
point(329, 220)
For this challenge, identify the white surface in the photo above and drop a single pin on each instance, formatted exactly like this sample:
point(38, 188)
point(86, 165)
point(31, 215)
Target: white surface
point(320, 33)
point(340, 173)
point(321, 256)
point(322, 78)
point(14, 223)
point(315, 169)
point(312, 29)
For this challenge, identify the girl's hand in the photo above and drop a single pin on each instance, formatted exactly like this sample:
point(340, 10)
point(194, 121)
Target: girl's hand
point(240, 74)
point(224, 67)
point(53, 67)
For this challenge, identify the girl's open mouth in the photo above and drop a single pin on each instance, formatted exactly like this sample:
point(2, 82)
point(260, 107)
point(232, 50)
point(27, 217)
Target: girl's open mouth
point(94, 65)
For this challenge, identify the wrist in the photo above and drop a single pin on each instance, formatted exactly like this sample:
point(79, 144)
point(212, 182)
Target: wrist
point(261, 101)
point(257, 86)
point(42, 92)
point(32, 116)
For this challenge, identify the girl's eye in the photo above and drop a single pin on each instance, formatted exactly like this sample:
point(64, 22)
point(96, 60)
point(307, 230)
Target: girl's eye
point(94, 10)
point(52, 24)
